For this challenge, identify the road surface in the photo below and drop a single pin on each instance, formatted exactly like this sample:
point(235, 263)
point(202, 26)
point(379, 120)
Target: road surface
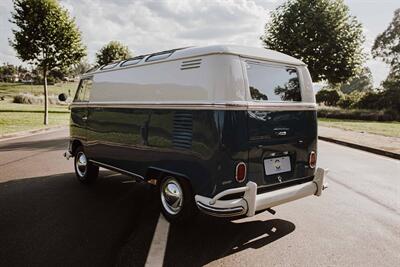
point(48, 219)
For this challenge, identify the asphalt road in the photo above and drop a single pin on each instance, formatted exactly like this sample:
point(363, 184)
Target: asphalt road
point(48, 219)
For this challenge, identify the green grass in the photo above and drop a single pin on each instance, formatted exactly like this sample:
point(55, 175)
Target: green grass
point(23, 117)
point(6, 106)
point(8, 90)
point(381, 128)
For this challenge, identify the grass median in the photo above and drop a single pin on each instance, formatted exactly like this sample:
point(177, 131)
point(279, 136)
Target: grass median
point(9, 90)
point(381, 128)
point(22, 117)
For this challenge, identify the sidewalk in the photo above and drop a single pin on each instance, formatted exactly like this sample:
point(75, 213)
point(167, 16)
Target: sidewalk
point(379, 144)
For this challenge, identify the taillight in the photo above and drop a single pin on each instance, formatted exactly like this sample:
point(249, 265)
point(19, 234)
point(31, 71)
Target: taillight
point(240, 174)
point(312, 160)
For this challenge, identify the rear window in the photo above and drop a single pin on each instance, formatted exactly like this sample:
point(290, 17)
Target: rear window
point(273, 83)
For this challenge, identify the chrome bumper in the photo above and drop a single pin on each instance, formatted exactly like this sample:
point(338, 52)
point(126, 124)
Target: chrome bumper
point(251, 202)
point(68, 155)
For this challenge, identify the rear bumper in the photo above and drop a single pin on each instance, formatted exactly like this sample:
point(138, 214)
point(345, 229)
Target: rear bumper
point(67, 155)
point(251, 202)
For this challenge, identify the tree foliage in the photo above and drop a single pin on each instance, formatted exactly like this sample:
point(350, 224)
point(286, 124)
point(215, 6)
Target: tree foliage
point(8, 69)
point(80, 68)
point(387, 44)
point(112, 51)
point(45, 36)
point(321, 33)
point(363, 82)
point(387, 47)
point(329, 97)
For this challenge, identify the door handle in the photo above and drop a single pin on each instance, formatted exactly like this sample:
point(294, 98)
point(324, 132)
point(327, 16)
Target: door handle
point(84, 118)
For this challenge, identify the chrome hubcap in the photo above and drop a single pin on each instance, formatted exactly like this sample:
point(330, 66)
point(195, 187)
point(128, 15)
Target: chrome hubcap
point(81, 164)
point(171, 196)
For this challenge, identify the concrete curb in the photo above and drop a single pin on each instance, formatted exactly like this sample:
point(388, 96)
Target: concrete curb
point(361, 147)
point(16, 135)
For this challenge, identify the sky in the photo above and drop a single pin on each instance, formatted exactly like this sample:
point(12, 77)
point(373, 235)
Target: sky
point(153, 25)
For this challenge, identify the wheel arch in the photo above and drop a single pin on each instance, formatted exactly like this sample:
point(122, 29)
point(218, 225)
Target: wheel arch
point(74, 145)
point(154, 173)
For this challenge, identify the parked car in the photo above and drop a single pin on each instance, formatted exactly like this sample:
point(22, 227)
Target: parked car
point(228, 130)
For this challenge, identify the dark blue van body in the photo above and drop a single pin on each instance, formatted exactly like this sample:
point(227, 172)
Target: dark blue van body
point(205, 115)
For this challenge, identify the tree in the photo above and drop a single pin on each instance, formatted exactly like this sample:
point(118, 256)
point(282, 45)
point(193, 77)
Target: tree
point(45, 37)
point(387, 44)
point(328, 96)
point(387, 47)
point(112, 51)
point(361, 82)
point(321, 33)
point(80, 68)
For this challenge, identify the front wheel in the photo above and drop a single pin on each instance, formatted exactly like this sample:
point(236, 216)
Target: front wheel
point(177, 201)
point(85, 171)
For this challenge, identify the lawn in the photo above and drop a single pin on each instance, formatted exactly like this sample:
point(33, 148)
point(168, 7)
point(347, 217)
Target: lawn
point(22, 117)
point(8, 90)
point(381, 128)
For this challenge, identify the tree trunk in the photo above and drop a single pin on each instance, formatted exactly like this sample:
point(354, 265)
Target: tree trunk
point(46, 98)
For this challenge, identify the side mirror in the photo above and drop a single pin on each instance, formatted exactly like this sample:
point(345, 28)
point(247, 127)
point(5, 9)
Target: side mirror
point(62, 97)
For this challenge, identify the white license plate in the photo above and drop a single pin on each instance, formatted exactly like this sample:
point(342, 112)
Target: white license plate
point(277, 165)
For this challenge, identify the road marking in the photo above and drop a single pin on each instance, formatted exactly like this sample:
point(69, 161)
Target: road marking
point(155, 258)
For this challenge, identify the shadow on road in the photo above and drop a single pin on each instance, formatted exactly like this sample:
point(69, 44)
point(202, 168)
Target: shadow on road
point(209, 239)
point(49, 144)
point(55, 221)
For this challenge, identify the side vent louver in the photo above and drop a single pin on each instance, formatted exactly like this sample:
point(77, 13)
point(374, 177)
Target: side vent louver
point(183, 130)
point(191, 64)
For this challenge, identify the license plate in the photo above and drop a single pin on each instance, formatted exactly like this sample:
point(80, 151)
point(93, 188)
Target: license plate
point(277, 165)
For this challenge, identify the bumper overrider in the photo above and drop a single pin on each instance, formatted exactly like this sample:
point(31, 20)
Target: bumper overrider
point(250, 203)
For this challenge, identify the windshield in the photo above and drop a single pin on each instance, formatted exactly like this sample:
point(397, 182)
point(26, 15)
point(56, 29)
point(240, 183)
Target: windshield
point(273, 83)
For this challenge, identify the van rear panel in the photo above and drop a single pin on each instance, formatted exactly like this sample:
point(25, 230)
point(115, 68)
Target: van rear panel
point(281, 135)
point(279, 146)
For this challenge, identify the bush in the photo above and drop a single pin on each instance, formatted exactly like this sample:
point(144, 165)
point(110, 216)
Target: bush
point(348, 101)
point(328, 97)
point(37, 100)
point(39, 80)
point(370, 100)
point(359, 114)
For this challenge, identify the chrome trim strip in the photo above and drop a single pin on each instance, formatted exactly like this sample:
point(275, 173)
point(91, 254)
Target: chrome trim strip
point(116, 169)
point(234, 105)
point(228, 212)
point(227, 192)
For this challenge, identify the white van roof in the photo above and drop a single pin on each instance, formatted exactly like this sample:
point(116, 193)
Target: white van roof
point(244, 51)
point(190, 52)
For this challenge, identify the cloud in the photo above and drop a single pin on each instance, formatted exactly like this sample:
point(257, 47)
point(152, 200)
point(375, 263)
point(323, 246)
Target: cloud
point(147, 26)
point(153, 25)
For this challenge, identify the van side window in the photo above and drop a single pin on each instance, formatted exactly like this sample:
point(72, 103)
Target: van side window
point(273, 83)
point(83, 91)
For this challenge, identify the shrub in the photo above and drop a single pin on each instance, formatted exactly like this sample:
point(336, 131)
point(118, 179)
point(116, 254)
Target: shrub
point(370, 100)
point(328, 97)
point(348, 101)
point(359, 114)
point(27, 98)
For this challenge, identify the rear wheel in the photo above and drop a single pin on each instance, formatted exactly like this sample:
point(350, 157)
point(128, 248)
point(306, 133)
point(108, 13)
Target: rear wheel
point(177, 201)
point(85, 171)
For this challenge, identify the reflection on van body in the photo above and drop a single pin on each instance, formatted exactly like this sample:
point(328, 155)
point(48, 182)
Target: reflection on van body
point(228, 130)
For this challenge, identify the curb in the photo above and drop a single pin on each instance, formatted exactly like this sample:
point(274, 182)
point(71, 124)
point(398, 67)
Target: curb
point(28, 133)
point(361, 147)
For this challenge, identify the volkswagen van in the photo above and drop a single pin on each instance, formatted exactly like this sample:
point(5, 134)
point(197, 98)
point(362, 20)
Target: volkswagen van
point(227, 130)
